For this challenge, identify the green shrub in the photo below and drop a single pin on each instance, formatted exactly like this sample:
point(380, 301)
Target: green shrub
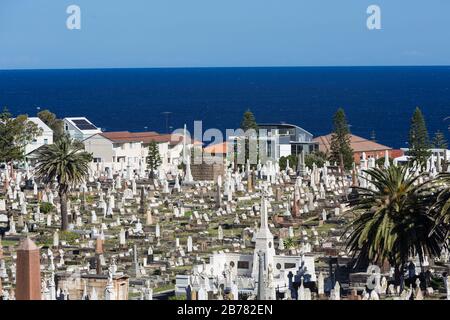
point(317, 157)
point(292, 162)
point(46, 207)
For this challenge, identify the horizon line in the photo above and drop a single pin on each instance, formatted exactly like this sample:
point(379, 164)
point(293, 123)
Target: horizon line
point(225, 67)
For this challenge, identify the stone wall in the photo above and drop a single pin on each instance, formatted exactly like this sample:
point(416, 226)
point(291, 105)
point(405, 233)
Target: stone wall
point(207, 172)
point(76, 286)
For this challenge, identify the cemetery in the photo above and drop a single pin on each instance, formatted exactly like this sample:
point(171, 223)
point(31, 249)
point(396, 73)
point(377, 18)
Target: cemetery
point(260, 233)
point(214, 232)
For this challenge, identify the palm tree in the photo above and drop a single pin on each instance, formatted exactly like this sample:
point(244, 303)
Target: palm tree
point(442, 205)
point(65, 162)
point(394, 220)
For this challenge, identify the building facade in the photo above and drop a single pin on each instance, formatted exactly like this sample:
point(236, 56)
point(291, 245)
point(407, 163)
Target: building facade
point(80, 128)
point(46, 136)
point(359, 145)
point(292, 139)
point(120, 150)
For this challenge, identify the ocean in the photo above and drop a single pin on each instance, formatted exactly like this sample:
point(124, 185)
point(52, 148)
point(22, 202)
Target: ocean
point(378, 101)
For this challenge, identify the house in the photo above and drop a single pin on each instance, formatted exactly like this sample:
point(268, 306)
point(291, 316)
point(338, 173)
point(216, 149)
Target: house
point(217, 153)
point(278, 139)
point(403, 158)
point(292, 139)
point(46, 136)
point(80, 128)
point(116, 150)
point(359, 145)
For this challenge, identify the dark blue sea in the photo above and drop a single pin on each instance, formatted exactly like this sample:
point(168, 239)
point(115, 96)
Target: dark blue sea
point(376, 100)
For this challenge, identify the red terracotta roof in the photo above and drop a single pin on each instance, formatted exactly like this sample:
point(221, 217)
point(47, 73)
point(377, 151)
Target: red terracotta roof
point(395, 153)
point(144, 137)
point(357, 143)
point(218, 148)
point(125, 136)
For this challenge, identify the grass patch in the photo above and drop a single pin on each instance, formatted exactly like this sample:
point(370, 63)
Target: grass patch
point(7, 243)
point(164, 288)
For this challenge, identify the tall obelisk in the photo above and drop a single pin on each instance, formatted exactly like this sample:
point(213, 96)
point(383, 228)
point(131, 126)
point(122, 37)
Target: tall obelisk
point(28, 272)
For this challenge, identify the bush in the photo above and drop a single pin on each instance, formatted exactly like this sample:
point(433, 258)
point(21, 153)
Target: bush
point(380, 162)
point(292, 162)
point(317, 157)
point(46, 207)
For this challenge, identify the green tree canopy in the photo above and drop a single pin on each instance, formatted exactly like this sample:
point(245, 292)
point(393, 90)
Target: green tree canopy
point(419, 141)
point(250, 128)
point(393, 220)
point(283, 162)
point(317, 157)
point(248, 121)
point(50, 119)
point(442, 204)
point(439, 141)
point(15, 134)
point(341, 151)
point(66, 163)
point(153, 158)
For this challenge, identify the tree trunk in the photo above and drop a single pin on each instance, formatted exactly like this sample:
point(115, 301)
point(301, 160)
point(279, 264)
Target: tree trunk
point(341, 163)
point(151, 175)
point(64, 217)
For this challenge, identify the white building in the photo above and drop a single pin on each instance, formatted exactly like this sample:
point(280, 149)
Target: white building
point(46, 137)
point(274, 141)
point(242, 270)
point(80, 128)
point(292, 139)
point(443, 154)
point(120, 150)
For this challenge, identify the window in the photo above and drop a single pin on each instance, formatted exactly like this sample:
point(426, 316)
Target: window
point(289, 265)
point(269, 148)
point(243, 265)
point(293, 149)
point(232, 264)
point(278, 266)
point(45, 141)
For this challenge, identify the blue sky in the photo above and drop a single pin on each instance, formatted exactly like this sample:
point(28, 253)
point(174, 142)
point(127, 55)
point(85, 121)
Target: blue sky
point(222, 33)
